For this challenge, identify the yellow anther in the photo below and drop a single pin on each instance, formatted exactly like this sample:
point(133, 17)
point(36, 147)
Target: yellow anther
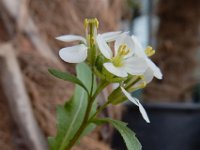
point(86, 22)
point(96, 22)
point(143, 85)
point(123, 50)
point(149, 51)
point(127, 51)
point(91, 26)
point(137, 87)
point(93, 22)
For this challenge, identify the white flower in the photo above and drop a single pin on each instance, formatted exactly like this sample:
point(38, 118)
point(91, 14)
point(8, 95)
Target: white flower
point(78, 53)
point(152, 69)
point(136, 102)
point(123, 61)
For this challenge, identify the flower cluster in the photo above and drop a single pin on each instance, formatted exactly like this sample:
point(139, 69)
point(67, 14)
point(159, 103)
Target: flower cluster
point(115, 57)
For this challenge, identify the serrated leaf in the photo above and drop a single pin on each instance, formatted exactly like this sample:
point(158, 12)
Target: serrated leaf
point(128, 135)
point(70, 116)
point(67, 77)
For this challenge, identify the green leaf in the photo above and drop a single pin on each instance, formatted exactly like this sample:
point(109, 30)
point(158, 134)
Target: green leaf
point(70, 116)
point(67, 77)
point(128, 135)
point(83, 70)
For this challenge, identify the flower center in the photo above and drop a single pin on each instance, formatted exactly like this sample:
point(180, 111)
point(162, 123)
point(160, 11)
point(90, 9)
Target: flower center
point(123, 50)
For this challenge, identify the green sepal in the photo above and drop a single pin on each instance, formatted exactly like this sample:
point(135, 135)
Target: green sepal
point(117, 97)
point(99, 63)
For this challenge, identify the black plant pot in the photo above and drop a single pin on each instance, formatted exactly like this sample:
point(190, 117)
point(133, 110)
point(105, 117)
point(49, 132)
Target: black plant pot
point(172, 127)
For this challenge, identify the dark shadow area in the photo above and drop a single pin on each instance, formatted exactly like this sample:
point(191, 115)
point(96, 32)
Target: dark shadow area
point(172, 127)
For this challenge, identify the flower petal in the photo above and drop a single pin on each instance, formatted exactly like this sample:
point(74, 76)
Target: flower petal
point(74, 54)
point(118, 71)
point(148, 75)
point(127, 40)
point(103, 47)
point(143, 112)
point(139, 51)
point(136, 102)
point(71, 38)
point(111, 36)
point(129, 96)
point(135, 65)
point(156, 71)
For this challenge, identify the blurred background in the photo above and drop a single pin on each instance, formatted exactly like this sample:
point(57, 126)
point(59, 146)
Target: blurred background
point(29, 95)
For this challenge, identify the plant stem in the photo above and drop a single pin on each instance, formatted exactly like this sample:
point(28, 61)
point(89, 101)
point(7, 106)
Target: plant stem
point(99, 110)
point(87, 114)
point(101, 86)
point(132, 82)
point(92, 84)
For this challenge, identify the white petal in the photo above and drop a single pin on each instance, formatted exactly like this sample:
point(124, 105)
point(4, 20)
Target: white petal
point(118, 71)
point(148, 75)
point(71, 38)
point(129, 96)
point(136, 102)
point(111, 36)
point(135, 65)
point(139, 51)
point(115, 85)
point(103, 47)
point(156, 71)
point(119, 41)
point(143, 112)
point(74, 54)
point(127, 40)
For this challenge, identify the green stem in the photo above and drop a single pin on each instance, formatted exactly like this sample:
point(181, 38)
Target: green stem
point(92, 84)
point(101, 86)
point(83, 125)
point(88, 110)
point(131, 83)
point(99, 110)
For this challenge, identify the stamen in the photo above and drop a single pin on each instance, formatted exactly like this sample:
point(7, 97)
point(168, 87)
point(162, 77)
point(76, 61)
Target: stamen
point(91, 26)
point(93, 22)
point(123, 50)
point(140, 86)
point(86, 22)
point(149, 51)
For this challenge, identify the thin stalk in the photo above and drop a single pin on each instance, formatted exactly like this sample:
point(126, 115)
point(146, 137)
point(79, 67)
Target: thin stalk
point(92, 84)
point(88, 110)
point(101, 86)
point(132, 82)
point(99, 110)
point(83, 125)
